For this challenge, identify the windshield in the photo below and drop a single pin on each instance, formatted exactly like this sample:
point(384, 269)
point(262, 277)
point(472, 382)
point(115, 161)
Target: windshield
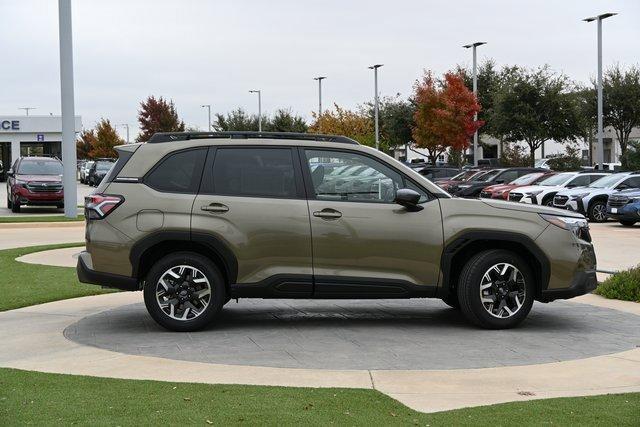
point(606, 182)
point(526, 179)
point(559, 179)
point(540, 162)
point(487, 176)
point(40, 167)
point(104, 166)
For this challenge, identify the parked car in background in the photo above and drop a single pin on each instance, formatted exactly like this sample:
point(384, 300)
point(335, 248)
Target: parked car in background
point(591, 201)
point(35, 181)
point(472, 188)
point(488, 163)
point(542, 163)
point(246, 217)
point(543, 192)
point(98, 170)
point(501, 191)
point(465, 175)
point(84, 171)
point(624, 206)
point(438, 172)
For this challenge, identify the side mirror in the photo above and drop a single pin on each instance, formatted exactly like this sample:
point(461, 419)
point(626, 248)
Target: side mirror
point(622, 187)
point(409, 199)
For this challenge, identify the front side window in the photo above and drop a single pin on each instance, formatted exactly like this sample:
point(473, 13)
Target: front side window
point(179, 172)
point(580, 181)
point(363, 179)
point(254, 172)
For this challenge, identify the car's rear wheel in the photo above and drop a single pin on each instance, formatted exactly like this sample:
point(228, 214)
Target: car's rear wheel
point(597, 211)
point(627, 223)
point(184, 292)
point(496, 289)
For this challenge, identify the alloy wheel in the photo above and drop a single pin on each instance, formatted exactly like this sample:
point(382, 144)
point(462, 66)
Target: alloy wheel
point(502, 290)
point(599, 212)
point(183, 292)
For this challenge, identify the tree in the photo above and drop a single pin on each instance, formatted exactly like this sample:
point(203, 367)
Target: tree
point(285, 121)
point(587, 115)
point(353, 124)
point(444, 114)
point(106, 138)
point(157, 115)
point(85, 143)
point(621, 100)
point(535, 107)
point(395, 118)
point(237, 120)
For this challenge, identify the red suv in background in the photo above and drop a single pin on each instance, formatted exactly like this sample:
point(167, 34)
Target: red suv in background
point(501, 191)
point(35, 181)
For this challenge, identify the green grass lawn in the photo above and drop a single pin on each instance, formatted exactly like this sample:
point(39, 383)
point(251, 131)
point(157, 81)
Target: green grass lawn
point(28, 284)
point(42, 218)
point(45, 399)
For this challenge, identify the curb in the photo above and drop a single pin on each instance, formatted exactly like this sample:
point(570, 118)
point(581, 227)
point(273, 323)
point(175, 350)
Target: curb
point(50, 224)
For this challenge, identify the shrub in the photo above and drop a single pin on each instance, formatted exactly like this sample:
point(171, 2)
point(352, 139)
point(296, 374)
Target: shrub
point(514, 155)
point(624, 285)
point(569, 161)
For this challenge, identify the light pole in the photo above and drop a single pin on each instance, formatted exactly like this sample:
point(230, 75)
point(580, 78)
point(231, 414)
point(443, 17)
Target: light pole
point(126, 126)
point(259, 108)
point(209, 115)
point(26, 109)
point(475, 92)
point(375, 104)
point(319, 79)
point(600, 144)
point(68, 113)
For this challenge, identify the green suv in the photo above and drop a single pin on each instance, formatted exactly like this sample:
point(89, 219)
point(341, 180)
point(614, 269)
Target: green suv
point(196, 219)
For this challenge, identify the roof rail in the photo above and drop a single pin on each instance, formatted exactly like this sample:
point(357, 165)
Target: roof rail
point(185, 136)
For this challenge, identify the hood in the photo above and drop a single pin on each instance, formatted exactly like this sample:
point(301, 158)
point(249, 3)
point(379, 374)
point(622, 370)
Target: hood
point(40, 178)
point(582, 190)
point(525, 207)
point(499, 187)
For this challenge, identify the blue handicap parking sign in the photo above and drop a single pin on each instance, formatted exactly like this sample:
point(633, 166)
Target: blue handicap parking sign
point(40, 137)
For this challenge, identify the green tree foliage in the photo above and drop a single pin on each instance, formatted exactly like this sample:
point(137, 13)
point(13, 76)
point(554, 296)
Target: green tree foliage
point(633, 155)
point(357, 125)
point(106, 138)
point(621, 99)
point(587, 115)
point(237, 120)
point(534, 107)
point(285, 121)
point(569, 161)
point(395, 118)
point(85, 142)
point(157, 115)
point(514, 155)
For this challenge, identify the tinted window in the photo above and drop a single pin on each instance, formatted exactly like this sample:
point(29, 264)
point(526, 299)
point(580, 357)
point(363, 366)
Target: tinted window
point(178, 173)
point(257, 172)
point(364, 179)
point(593, 178)
point(633, 182)
point(40, 167)
point(508, 176)
point(580, 181)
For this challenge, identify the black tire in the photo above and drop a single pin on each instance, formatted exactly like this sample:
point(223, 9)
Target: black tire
point(452, 300)
point(627, 223)
point(208, 269)
point(548, 200)
point(15, 206)
point(469, 289)
point(597, 211)
point(9, 204)
point(60, 206)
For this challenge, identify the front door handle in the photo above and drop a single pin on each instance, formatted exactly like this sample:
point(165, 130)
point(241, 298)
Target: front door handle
point(328, 213)
point(215, 208)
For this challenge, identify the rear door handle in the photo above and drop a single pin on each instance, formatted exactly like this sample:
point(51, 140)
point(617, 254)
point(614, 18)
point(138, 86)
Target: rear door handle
point(328, 213)
point(215, 208)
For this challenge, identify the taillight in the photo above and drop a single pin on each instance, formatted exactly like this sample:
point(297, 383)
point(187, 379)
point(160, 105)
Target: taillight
point(98, 206)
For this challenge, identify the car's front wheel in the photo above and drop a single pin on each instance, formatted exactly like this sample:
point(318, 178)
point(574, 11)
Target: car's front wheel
point(496, 289)
point(15, 206)
point(597, 211)
point(184, 292)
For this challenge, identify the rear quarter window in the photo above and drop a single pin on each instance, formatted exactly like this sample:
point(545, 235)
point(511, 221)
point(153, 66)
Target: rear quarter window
point(179, 172)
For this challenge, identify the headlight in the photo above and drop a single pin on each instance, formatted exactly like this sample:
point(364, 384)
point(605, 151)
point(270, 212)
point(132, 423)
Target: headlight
point(578, 196)
point(21, 183)
point(463, 186)
point(634, 200)
point(578, 226)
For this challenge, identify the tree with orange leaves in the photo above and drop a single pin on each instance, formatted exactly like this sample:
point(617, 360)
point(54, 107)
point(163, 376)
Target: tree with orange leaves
point(444, 114)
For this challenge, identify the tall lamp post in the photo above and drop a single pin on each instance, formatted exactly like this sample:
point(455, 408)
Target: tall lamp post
point(126, 126)
point(68, 113)
point(209, 114)
point(600, 144)
point(375, 105)
point(475, 92)
point(319, 79)
point(259, 108)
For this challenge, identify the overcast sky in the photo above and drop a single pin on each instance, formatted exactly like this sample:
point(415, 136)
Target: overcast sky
point(213, 52)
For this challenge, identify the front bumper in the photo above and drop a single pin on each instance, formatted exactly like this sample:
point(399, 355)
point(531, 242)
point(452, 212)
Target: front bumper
point(583, 282)
point(27, 197)
point(87, 275)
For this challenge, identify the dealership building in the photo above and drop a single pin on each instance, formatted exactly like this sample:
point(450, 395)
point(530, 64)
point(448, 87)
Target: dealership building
point(31, 136)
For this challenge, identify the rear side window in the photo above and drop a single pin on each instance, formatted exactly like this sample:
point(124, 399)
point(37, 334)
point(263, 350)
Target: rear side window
point(123, 158)
point(254, 172)
point(179, 172)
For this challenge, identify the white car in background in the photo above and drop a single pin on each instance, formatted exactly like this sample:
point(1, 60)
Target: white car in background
point(544, 192)
point(591, 201)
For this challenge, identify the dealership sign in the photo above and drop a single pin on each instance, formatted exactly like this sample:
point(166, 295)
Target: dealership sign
point(10, 125)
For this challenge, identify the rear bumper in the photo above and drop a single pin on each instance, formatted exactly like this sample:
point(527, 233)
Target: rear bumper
point(630, 212)
point(583, 283)
point(87, 275)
